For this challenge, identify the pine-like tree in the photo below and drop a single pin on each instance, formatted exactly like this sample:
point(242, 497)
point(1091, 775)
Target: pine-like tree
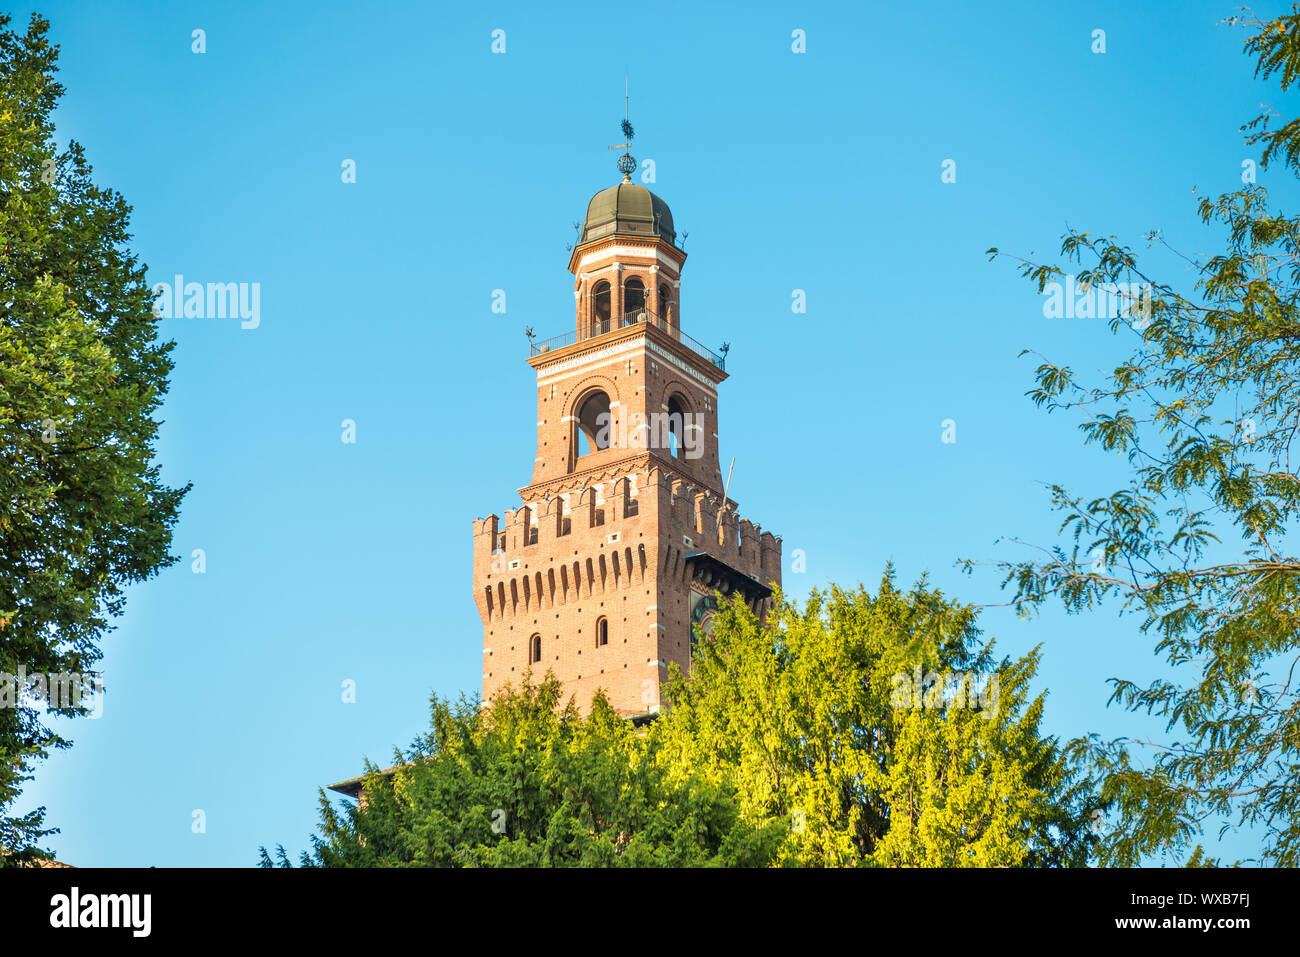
point(529, 782)
point(880, 730)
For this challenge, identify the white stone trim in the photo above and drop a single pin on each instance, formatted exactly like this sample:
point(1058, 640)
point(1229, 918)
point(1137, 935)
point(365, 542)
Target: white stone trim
point(588, 260)
point(707, 386)
point(569, 366)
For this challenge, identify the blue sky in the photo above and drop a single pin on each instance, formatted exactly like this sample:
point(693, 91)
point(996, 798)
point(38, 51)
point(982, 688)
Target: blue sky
point(817, 171)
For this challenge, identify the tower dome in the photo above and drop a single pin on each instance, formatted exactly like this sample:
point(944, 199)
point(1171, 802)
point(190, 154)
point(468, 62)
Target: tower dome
point(627, 209)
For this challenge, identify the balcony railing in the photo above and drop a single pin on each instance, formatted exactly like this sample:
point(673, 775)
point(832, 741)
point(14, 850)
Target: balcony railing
point(598, 327)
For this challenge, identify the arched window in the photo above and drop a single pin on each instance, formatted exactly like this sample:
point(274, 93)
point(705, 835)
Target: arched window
point(535, 650)
point(602, 631)
point(600, 308)
point(676, 427)
point(665, 302)
point(634, 300)
point(594, 424)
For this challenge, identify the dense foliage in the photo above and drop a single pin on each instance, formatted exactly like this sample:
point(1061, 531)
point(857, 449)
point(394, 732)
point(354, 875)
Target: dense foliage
point(530, 782)
point(83, 511)
point(808, 715)
point(792, 743)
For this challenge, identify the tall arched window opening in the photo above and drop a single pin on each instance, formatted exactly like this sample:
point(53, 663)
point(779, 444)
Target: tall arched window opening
point(634, 300)
point(594, 425)
point(676, 427)
point(600, 308)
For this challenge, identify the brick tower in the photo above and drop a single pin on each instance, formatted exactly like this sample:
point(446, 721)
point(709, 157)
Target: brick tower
point(610, 567)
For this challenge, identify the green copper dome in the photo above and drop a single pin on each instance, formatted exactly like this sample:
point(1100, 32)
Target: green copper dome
point(627, 209)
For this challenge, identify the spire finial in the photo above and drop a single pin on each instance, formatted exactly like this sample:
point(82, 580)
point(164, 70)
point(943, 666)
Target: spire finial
point(626, 162)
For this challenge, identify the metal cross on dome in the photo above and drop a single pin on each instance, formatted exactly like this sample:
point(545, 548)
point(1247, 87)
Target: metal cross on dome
point(626, 162)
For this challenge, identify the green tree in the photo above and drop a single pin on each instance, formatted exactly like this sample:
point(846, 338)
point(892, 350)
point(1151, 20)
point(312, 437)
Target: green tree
point(829, 721)
point(821, 737)
point(1198, 542)
point(527, 782)
point(83, 511)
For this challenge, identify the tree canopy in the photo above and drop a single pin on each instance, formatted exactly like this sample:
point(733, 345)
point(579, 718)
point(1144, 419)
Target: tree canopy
point(83, 509)
point(830, 736)
point(884, 729)
point(530, 782)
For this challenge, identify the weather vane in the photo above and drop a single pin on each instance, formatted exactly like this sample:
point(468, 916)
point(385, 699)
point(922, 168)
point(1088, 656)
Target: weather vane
point(626, 162)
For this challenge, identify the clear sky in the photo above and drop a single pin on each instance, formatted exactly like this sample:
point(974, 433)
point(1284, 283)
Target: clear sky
point(818, 171)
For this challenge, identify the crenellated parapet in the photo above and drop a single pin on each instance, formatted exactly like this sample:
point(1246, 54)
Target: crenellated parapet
point(560, 549)
point(586, 539)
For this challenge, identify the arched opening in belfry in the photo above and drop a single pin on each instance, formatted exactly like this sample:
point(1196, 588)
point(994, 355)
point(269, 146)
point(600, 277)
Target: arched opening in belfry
point(634, 300)
point(600, 308)
point(665, 302)
point(676, 426)
point(593, 424)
